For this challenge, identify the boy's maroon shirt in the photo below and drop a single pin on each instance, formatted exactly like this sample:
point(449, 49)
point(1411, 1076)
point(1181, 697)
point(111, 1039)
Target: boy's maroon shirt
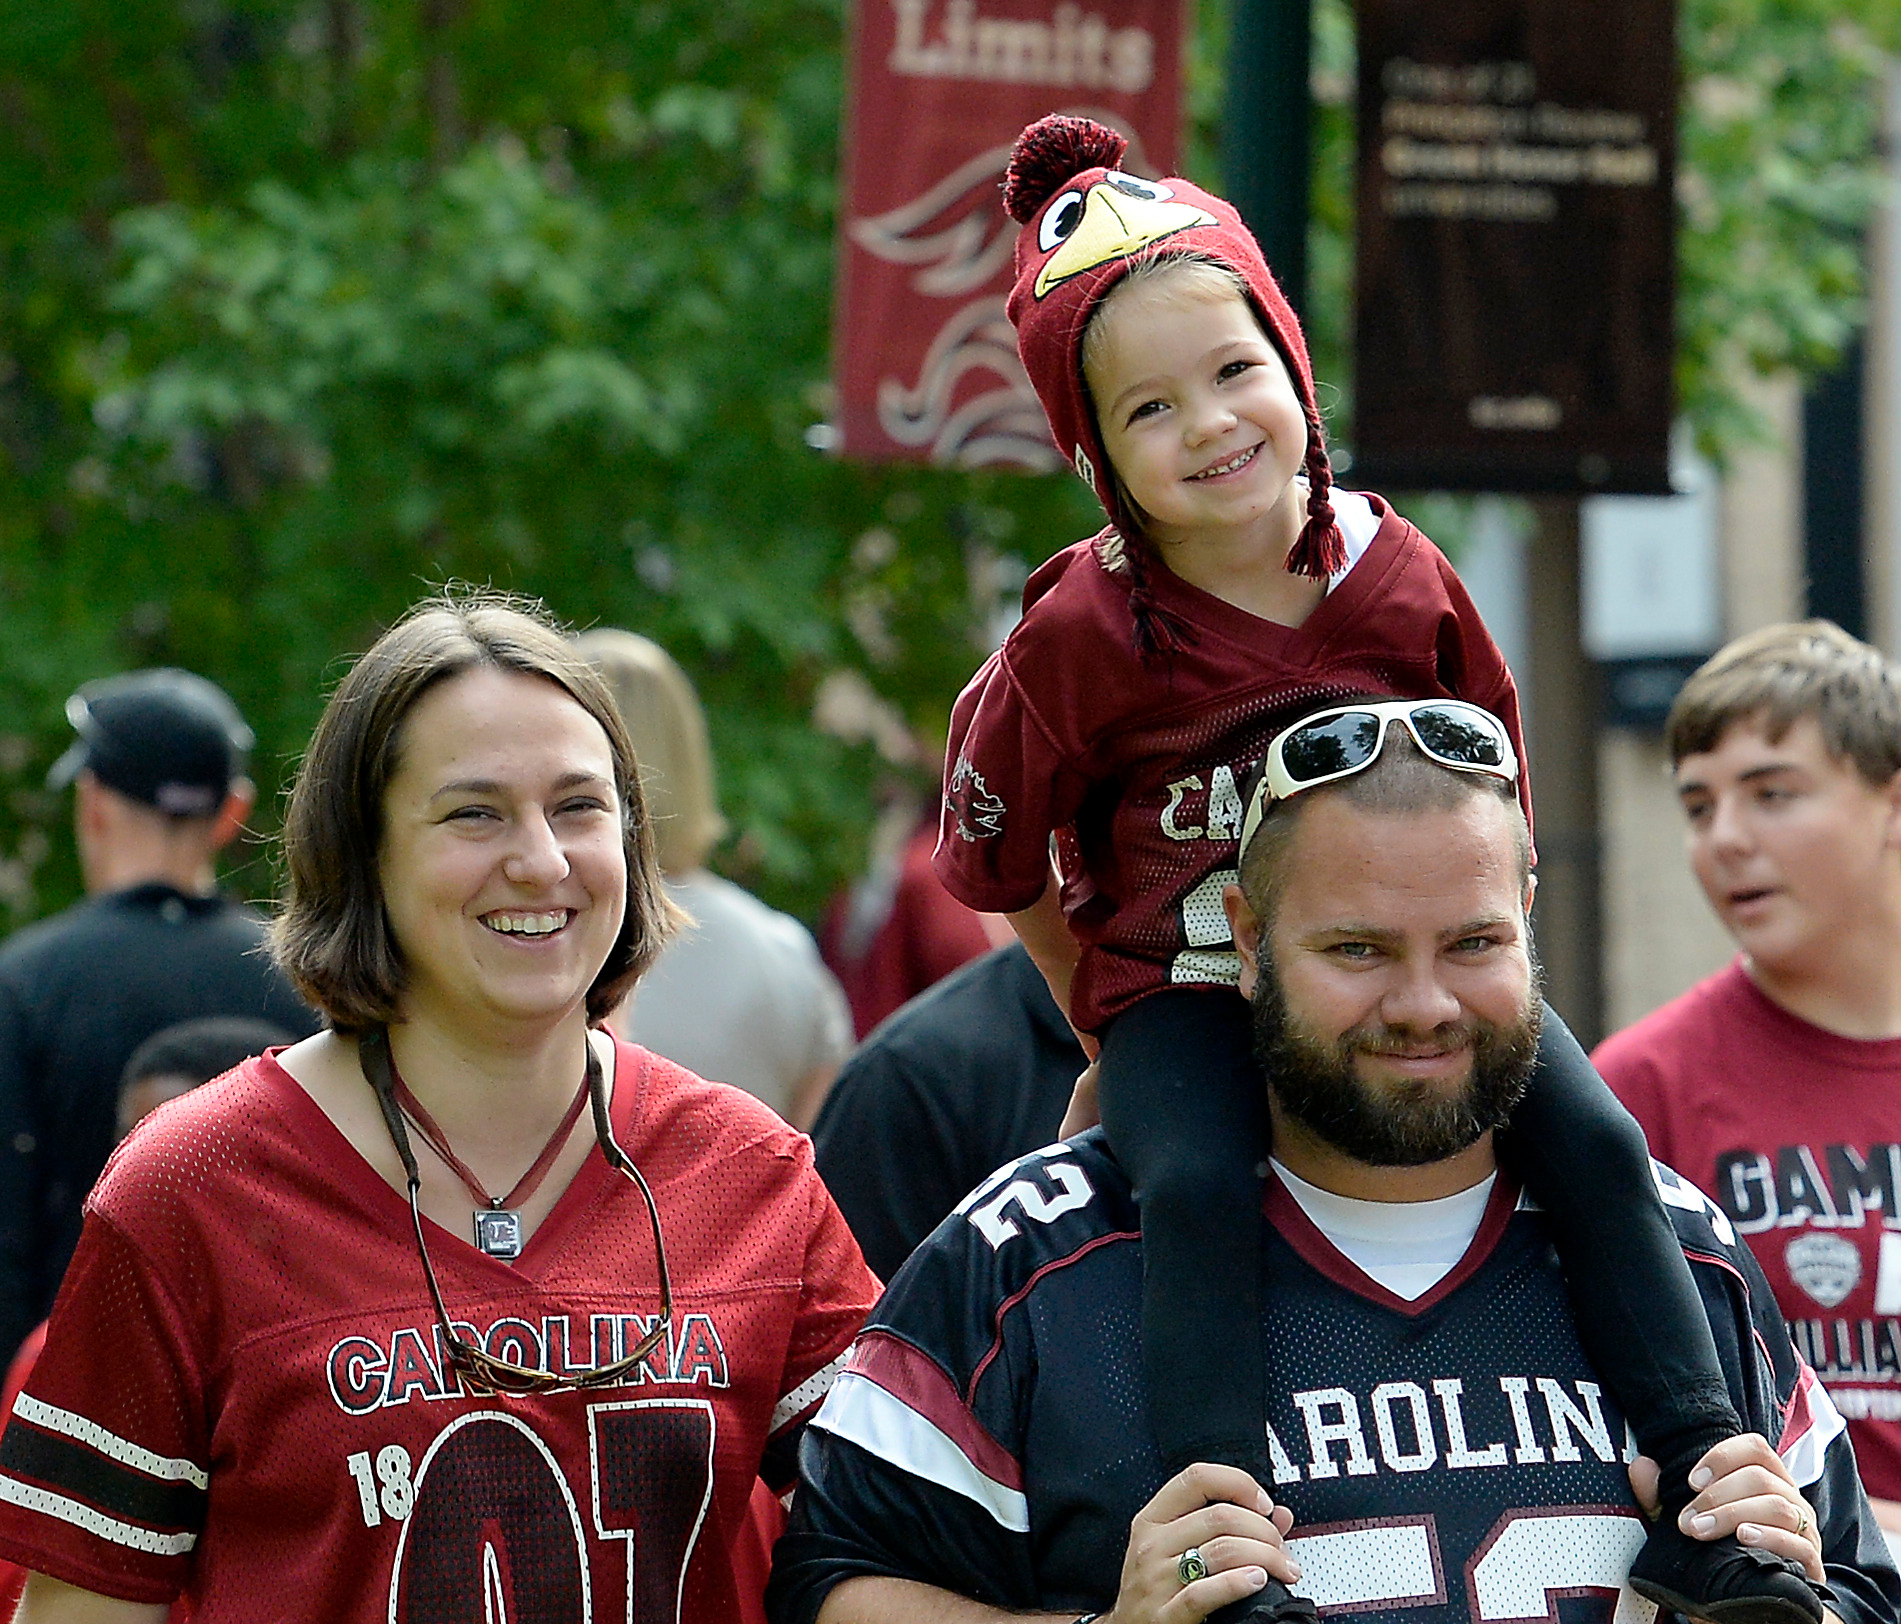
point(1137, 767)
point(1795, 1133)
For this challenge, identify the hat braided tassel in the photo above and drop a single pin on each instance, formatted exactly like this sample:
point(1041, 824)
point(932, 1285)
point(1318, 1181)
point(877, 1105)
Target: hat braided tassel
point(1157, 630)
point(1320, 550)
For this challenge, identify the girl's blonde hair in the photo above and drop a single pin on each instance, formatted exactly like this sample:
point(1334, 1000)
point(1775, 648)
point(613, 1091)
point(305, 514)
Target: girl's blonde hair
point(1187, 276)
point(668, 727)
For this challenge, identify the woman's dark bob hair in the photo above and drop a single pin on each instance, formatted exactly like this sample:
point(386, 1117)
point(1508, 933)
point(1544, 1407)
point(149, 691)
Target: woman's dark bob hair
point(332, 936)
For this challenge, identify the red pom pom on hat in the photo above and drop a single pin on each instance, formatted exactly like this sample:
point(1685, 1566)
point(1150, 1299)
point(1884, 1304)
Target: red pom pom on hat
point(1051, 151)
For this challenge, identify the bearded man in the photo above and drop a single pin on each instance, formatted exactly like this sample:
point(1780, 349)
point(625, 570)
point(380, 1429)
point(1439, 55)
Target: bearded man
point(1442, 1449)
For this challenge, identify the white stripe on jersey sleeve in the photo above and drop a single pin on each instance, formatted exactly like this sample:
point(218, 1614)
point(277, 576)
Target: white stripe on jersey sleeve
point(860, 1411)
point(1674, 1190)
point(806, 1394)
point(123, 1450)
point(94, 1522)
point(1804, 1455)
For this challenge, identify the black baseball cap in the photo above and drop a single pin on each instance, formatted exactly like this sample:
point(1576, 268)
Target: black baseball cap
point(165, 737)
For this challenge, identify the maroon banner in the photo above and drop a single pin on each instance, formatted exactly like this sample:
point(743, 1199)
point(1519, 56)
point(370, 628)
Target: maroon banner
point(1516, 245)
point(924, 357)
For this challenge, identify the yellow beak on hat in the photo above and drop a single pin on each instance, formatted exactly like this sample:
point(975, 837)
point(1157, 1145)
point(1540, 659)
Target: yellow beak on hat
point(1115, 223)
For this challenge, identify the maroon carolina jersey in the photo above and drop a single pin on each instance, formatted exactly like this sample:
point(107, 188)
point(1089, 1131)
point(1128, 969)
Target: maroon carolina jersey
point(1137, 768)
point(1796, 1133)
point(243, 1395)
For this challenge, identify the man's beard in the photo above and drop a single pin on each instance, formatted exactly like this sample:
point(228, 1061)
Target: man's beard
point(1396, 1123)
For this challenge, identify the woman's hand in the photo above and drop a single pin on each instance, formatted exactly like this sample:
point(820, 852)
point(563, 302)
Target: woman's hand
point(1225, 1515)
point(1743, 1489)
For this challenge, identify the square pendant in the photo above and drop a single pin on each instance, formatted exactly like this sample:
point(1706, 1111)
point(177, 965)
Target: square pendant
point(498, 1233)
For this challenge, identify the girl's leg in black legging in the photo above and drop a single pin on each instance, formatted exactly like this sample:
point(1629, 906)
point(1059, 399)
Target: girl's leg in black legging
point(1584, 1159)
point(1185, 1110)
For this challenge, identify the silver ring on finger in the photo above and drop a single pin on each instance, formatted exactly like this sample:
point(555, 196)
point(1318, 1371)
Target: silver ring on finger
point(1191, 1565)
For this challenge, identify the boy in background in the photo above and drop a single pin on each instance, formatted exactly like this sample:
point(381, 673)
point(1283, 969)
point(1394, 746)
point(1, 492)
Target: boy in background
point(1776, 1083)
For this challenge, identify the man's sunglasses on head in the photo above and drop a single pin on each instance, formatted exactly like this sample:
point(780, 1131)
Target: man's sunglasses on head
point(1335, 744)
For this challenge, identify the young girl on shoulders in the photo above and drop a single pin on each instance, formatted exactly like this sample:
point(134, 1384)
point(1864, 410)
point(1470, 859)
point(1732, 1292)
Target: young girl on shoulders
point(1233, 591)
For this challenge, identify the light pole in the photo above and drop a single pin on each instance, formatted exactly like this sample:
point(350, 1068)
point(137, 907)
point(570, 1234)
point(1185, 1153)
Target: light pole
point(1266, 147)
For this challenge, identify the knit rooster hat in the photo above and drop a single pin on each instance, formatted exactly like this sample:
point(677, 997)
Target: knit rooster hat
point(1084, 223)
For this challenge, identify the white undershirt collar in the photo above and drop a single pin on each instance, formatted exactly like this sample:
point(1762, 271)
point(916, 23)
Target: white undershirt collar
point(1407, 1246)
point(1357, 523)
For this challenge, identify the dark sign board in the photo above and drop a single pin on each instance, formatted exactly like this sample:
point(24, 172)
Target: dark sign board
point(1639, 693)
point(1515, 322)
point(924, 357)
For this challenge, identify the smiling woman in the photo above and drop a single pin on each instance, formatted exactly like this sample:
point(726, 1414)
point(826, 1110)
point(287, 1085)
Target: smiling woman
point(452, 696)
point(338, 1342)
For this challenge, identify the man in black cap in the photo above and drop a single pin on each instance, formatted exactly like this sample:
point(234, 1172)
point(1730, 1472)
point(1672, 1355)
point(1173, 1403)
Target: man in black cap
point(159, 790)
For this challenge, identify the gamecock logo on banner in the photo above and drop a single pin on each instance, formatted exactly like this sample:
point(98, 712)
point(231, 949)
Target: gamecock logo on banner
point(925, 358)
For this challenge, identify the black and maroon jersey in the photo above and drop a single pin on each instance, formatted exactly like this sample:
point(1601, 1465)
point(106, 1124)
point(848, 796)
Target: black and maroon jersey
point(1137, 767)
point(1449, 1459)
point(243, 1396)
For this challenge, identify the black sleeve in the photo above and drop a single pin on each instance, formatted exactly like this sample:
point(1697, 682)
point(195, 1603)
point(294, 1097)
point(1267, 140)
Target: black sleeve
point(21, 1239)
point(1780, 1397)
point(286, 1009)
point(971, 1074)
point(913, 1467)
point(890, 1152)
point(856, 1517)
point(277, 999)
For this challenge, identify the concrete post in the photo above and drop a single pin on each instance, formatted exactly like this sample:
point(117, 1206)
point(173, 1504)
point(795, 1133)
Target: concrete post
point(1561, 738)
point(1660, 937)
point(1762, 515)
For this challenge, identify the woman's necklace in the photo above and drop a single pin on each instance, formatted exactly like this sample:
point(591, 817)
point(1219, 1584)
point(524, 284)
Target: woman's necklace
point(498, 1217)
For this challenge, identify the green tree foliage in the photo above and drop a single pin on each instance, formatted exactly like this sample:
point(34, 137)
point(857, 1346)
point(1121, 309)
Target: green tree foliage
point(1777, 178)
point(320, 305)
point(306, 305)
